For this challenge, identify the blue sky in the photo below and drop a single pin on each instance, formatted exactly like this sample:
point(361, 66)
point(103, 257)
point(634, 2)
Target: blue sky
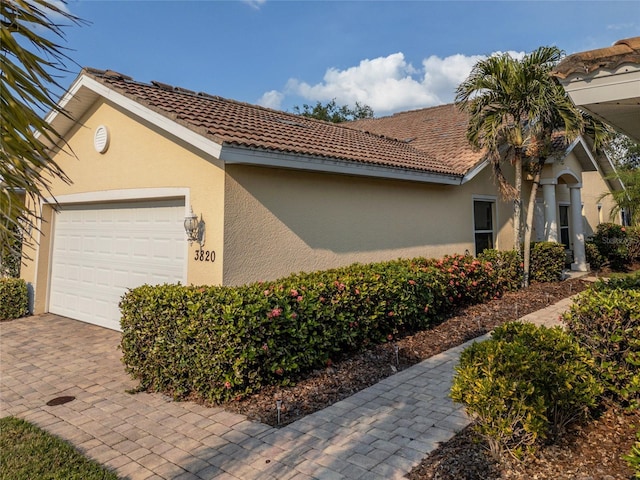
point(392, 56)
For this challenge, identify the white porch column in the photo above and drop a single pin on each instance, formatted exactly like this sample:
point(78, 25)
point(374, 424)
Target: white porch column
point(550, 209)
point(579, 256)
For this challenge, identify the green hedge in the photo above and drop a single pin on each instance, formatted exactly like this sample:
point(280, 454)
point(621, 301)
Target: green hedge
point(606, 320)
point(633, 242)
point(508, 265)
point(613, 242)
point(547, 264)
point(547, 261)
point(594, 258)
point(633, 457)
point(226, 342)
point(14, 298)
point(525, 385)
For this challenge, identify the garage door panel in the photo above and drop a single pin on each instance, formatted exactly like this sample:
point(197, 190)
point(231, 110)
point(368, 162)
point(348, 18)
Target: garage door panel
point(99, 251)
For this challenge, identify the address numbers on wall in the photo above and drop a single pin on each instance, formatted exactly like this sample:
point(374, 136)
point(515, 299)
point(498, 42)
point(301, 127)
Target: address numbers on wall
point(205, 256)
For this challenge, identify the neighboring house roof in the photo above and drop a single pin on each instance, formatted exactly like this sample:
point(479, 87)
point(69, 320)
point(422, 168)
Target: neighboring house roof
point(606, 83)
point(229, 122)
point(610, 58)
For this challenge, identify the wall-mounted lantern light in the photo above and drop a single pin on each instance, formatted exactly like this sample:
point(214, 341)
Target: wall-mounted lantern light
point(194, 228)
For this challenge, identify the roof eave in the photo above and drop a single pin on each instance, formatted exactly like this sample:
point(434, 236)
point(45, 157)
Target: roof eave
point(242, 155)
point(85, 91)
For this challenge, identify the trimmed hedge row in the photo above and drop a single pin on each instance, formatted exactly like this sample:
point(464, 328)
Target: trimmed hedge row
point(223, 343)
point(14, 298)
point(226, 342)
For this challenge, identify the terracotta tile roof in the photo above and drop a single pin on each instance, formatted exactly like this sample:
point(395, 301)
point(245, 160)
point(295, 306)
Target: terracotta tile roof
point(623, 51)
point(234, 123)
point(438, 131)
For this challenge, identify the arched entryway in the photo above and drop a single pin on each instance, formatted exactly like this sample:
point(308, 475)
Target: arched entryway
point(563, 223)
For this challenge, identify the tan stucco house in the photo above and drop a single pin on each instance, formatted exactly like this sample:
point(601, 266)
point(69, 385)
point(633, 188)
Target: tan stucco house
point(271, 193)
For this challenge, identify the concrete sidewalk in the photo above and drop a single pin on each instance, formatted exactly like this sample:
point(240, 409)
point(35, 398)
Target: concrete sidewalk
point(379, 433)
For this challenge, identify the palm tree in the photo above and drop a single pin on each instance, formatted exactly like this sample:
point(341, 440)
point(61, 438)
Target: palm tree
point(625, 154)
point(29, 61)
point(627, 199)
point(495, 100)
point(515, 109)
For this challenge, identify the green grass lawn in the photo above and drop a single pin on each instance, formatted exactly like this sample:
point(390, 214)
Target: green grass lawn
point(29, 453)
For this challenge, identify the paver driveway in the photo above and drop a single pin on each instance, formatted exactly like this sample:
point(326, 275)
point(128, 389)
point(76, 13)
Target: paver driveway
point(378, 433)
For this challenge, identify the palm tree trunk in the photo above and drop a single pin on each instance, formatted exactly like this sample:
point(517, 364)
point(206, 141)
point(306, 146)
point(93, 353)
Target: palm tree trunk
point(529, 223)
point(517, 203)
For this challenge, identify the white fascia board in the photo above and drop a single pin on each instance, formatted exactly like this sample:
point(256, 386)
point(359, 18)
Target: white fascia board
point(164, 123)
point(602, 163)
point(578, 141)
point(587, 150)
point(603, 85)
point(236, 155)
point(131, 194)
point(474, 171)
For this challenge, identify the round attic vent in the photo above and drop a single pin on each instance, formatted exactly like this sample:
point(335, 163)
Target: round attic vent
point(101, 139)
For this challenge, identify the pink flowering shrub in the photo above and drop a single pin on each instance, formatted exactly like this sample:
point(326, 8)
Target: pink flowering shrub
point(222, 343)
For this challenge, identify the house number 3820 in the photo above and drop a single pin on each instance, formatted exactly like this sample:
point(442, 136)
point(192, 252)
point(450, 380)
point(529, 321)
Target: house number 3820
point(205, 256)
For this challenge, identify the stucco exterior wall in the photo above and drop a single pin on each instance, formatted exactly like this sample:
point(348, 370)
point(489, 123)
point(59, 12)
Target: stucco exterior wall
point(138, 157)
point(280, 221)
point(594, 186)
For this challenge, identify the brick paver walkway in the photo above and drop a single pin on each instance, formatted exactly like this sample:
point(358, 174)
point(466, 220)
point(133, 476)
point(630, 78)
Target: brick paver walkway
point(378, 433)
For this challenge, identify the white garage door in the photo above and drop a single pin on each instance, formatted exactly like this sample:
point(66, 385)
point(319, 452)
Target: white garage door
point(99, 251)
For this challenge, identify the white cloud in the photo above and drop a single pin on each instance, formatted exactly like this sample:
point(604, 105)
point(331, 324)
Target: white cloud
point(271, 99)
point(443, 75)
point(387, 84)
point(255, 4)
point(53, 15)
point(383, 83)
point(621, 26)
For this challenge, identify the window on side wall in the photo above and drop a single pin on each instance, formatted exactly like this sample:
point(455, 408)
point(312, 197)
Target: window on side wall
point(483, 224)
point(565, 237)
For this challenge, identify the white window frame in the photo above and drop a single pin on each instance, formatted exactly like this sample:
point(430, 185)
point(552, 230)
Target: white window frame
point(568, 226)
point(493, 199)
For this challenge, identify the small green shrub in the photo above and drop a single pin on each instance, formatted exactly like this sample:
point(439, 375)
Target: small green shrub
point(524, 385)
point(595, 260)
point(605, 319)
point(633, 242)
point(547, 261)
point(14, 298)
point(624, 281)
point(612, 242)
point(10, 261)
point(507, 265)
point(633, 458)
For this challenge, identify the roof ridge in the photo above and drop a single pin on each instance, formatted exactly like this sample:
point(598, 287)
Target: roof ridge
point(201, 94)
